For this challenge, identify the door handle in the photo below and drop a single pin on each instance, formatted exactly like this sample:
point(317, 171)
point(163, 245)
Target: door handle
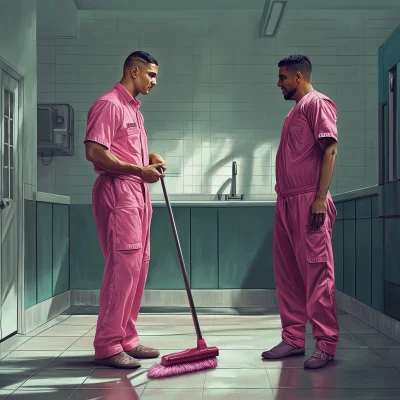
point(4, 203)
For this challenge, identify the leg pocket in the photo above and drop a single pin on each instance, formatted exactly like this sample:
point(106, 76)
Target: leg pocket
point(316, 245)
point(128, 229)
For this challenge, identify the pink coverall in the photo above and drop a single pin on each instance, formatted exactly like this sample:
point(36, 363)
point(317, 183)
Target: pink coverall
point(122, 212)
point(303, 258)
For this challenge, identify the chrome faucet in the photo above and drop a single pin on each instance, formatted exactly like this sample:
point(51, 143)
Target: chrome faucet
point(234, 173)
point(233, 195)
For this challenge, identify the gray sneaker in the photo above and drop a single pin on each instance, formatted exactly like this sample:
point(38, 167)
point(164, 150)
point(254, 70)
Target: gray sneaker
point(143, 352)
point(120, 360)
point(283, 350)
point(318, 360)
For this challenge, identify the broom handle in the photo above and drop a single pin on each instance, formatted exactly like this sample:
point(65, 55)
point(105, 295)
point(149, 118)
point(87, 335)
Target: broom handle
point(182, 262)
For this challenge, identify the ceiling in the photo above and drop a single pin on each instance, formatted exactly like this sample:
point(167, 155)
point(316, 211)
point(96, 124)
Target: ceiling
point(173, 5)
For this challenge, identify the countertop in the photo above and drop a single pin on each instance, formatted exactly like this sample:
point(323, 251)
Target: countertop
point(51, 198)
point(351, 195)
point(214, 203)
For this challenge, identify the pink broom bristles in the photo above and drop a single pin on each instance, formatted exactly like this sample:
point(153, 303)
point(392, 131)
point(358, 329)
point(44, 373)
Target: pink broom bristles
point(161, 371)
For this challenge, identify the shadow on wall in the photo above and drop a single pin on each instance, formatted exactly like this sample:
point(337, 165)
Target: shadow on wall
point(262, 265)
point(246, 170)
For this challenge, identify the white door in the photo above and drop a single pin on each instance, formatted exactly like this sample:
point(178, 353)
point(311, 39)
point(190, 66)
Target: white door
point(8, 205)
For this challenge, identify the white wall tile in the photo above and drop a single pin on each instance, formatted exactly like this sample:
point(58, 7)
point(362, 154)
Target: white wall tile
point(216, 100)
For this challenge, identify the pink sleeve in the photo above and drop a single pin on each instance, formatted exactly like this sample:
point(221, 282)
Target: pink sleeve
point(322, 116)
point(102, 123)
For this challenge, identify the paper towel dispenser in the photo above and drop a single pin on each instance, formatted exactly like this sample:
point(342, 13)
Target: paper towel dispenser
point(55, 130)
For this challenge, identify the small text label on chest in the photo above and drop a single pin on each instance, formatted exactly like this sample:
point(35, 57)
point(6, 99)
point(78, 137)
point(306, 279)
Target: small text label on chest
point(131, 125)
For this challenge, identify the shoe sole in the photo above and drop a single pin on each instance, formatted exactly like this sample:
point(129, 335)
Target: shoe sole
point(292, 354)
point(143, 356)
point(112, 365)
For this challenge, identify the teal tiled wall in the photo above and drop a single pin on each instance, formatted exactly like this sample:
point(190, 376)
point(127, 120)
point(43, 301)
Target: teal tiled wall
point(222, 247)
point(231, 247)
point(46, 251)
point(30, 265)
point(358, 243)
point(87, 262)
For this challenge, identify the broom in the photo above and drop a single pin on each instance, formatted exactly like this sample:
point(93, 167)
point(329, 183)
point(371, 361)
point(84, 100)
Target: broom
point(190, 360)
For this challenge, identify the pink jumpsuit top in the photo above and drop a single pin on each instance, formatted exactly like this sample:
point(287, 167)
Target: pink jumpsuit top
point(299, 156)
point(114, 120)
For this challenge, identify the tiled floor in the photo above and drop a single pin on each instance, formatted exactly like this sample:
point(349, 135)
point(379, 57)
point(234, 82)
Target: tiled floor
point(54, 362)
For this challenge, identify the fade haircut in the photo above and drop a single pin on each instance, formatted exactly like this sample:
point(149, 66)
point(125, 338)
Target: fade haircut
point(142, 56)
point(296, 63)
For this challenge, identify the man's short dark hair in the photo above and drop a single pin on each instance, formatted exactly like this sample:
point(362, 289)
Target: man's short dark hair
point(141, 56)
point(296, 63)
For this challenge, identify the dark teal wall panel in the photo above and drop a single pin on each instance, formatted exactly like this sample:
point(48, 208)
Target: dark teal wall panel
point(392, 300)
point(44, 232)
point(391, 200)
point(165, 272)
point(392, 250)
point(60, 248)
point(377, 295)
point(363, 261)
point(339, 209)
point(337, 243)
point(363, 208)
point(204, 248)
point(86, 258)
point(245, 248)
point(375, 206)
point(349, 254)
point(349, 209)
point(30, 270)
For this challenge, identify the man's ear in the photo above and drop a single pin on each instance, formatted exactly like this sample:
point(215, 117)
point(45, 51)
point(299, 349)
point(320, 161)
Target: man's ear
point(134, 71)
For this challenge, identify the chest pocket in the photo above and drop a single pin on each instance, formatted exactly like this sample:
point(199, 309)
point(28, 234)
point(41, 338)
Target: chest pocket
point(297, 140)
point(132, 139)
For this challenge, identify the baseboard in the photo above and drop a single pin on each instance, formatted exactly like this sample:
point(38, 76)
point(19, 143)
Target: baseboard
point(177, 298)
point(45, 311)
point(379, 321)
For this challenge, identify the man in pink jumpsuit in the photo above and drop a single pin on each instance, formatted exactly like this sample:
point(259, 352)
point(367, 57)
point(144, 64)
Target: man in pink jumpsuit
point(305, 213)
point(116, 143)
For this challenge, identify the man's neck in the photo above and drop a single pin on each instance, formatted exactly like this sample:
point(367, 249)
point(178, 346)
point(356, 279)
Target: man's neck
point(129, 87)
point(303, 92)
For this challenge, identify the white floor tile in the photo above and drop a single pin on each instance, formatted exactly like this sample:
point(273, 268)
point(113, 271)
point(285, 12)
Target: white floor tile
point(238, 394)
point(60, 379)
point(5, 393)
point(237, 379)
point(42, 394)
point(89, 320)
point(30, 361)
point(193, 380)
point(172, 394)
point(65, 330)
point(108, 394)
point(57, 362)
point(13, 343)
point(116, 379)
point(48, 343)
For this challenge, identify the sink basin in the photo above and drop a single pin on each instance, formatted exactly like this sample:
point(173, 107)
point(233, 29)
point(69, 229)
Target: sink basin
point(229, 197)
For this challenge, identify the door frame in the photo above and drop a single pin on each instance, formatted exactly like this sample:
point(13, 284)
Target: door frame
point(20, 195)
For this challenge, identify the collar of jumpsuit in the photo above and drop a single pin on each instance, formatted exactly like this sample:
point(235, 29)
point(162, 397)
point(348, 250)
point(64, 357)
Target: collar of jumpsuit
point(132, 100)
